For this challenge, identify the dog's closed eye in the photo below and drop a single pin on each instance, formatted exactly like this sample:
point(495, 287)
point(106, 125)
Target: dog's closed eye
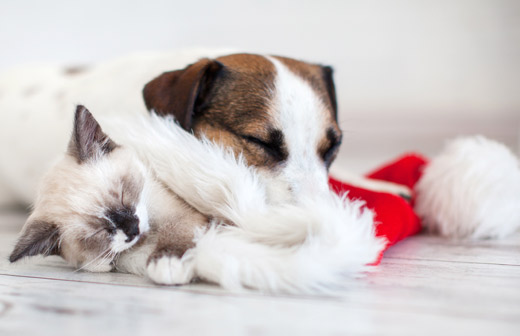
point(334, 142)
point(330, 152)
point(273, 147)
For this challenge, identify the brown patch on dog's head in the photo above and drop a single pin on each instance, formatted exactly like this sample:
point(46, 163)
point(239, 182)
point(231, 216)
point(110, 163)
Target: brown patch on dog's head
point(237, 112)
point(230, 100)
point(227, 99)
point(179, 93)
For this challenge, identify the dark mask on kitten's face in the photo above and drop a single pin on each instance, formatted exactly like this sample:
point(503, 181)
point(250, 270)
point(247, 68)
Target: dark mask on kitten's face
point(92, 205)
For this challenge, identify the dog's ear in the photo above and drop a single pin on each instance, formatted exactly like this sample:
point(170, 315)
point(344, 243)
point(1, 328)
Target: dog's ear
point(38, 237)
point(178, 93)
point(88, 140)
point(331, 90)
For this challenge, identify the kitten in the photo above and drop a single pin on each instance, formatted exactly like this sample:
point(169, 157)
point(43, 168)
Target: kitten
point(100, 200)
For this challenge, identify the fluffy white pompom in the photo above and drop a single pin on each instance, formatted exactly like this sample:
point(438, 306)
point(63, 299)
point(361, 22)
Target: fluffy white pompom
point(471, 190)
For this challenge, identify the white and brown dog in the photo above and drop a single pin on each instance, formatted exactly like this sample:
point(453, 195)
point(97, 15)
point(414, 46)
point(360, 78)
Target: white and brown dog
point(280, 113)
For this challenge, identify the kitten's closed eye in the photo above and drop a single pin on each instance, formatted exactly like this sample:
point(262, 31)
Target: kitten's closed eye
point(331, 151)
point(333, 143)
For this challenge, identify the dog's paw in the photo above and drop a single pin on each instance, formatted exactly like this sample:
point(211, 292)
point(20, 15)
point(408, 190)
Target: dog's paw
point(169, 270)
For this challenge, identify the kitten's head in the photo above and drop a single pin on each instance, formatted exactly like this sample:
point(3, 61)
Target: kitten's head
point(91, 205)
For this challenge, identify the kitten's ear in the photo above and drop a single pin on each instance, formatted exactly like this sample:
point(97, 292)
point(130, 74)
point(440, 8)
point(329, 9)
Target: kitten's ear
point(38, 237)
point(88, 139)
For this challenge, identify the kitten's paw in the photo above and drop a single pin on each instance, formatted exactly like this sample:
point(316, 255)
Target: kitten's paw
point(169, 270)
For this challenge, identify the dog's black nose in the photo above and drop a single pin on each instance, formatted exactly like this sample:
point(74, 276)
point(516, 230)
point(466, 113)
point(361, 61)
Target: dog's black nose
point(125, 220)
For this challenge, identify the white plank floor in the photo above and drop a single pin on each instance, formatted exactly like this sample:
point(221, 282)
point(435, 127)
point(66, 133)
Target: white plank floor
point(424, 286)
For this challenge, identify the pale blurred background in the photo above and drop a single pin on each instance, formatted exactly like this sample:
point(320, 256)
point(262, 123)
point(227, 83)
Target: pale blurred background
point(409, 73)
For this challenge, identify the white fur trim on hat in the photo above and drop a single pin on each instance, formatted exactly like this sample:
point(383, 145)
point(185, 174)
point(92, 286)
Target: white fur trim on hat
point(471, 190)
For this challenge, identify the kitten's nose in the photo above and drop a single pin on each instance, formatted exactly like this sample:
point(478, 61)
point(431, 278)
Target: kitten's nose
point(127, 221)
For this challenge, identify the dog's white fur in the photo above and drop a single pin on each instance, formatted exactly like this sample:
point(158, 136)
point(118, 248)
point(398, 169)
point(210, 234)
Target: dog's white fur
point(471, 190)
point(306, 246)
point(36, 103)
point(338, 242)
point(302, 122)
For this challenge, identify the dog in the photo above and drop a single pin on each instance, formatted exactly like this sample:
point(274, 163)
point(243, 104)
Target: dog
point(280, 114)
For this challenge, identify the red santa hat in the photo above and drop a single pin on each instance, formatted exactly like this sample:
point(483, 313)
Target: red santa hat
point(470, 190)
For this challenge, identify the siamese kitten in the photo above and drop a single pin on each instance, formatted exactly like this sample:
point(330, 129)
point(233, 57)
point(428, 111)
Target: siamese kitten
point(100, 200)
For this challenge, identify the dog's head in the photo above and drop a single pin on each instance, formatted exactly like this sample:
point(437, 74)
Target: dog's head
point(281, 114)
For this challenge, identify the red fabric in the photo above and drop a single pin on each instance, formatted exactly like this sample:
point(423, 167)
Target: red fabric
point(394, 216)
point(405, 170)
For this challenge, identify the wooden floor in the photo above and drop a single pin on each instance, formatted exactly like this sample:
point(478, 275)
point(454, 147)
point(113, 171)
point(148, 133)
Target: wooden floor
point(424, 286)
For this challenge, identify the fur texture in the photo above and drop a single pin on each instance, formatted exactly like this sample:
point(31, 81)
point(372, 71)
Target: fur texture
point(91, 204)
point(204, 174)
point(307, 245)
point(337, 241)
point(471, 190)
point(293, 142)
point(36, 102)
point(98, 201)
